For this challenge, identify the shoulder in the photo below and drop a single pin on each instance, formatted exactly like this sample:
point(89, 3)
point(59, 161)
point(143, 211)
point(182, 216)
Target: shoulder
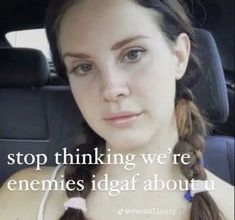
point(30, 174)
point(23, 201)
point(223, 195)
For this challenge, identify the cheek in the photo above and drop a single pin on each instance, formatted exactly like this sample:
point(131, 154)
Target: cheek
point(156, 87)
point(155, 81)
point(84, 98)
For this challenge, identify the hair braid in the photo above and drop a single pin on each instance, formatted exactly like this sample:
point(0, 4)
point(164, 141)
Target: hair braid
point(192, 129)
point(82, 172)
point(76, 174)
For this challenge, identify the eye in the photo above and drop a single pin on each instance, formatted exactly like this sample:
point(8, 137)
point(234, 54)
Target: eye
point(82, 69)
point(133, 55)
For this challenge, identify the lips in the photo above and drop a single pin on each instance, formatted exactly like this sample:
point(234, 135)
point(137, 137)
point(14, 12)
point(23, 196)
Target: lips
point(120, 116)
point(122, 119)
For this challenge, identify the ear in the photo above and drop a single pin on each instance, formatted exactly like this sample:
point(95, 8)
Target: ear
point(182, 51)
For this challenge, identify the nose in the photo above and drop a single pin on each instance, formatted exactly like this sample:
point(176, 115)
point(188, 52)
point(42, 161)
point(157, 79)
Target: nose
point(114, 85)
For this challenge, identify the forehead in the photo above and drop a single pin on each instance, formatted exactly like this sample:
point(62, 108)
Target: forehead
point(103, 22)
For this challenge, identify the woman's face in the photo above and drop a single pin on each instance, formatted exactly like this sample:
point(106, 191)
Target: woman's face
point(121, 69)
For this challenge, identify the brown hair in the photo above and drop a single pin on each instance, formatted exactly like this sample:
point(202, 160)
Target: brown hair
point(190, 123)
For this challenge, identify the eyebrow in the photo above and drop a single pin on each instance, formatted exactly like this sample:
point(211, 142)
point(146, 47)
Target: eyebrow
point(78, 55)
point(121, 43)
point(116, 46)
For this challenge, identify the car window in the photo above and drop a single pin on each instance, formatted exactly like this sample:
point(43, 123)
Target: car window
point(35, 38)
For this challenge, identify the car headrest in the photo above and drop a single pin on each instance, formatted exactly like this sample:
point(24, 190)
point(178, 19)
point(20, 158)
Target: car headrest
point(210, 91)
point(21, 67)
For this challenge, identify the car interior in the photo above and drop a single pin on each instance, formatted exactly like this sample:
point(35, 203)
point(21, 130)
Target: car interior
point(39, 116)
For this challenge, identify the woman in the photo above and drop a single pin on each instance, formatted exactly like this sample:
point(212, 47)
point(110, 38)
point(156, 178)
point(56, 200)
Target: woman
point(130, 65)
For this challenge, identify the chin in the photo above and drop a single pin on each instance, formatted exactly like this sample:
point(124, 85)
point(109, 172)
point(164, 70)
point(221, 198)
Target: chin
point(128, 141)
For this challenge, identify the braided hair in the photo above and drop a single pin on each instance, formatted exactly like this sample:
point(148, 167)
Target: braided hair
point(82, 171)
point(191, 129)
